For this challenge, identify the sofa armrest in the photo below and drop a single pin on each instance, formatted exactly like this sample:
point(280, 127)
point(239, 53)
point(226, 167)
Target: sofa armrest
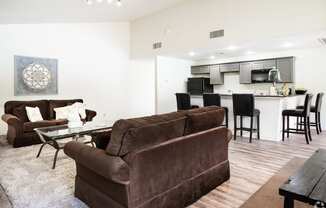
point(11, 119)
point(229, 135)
point(112, 168)
point(15, 123)
point(90, 114)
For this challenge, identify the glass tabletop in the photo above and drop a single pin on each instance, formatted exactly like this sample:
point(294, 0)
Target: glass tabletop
point(64, 131)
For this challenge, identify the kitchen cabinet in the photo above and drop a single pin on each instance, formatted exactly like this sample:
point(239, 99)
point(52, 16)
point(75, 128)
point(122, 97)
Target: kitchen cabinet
point(231, 67)
point(200, 69)
point(264, 64)
point(245, 72)
point(286, 67)
point(216, 77)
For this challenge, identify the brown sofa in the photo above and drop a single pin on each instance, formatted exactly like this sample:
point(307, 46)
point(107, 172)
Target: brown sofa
point(161, 161)
point(21, 131)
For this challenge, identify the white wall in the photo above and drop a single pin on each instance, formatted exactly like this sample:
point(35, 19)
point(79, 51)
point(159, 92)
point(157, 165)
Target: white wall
point(93, 62)
point(310, 72)
point(141, 100)
point(171, 76)
point(187, 26)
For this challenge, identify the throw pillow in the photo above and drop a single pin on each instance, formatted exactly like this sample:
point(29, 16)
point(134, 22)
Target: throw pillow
point(63, 112)
point(34, 114)
point(81, 109)
point(73, 115)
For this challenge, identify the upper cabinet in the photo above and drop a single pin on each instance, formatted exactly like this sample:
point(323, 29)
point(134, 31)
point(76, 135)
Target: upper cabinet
point(245, 72)
point(286, 67)
point(216, 77)
point(264, 64)
point(262, 67)
point(200, 69)
point(231, 67)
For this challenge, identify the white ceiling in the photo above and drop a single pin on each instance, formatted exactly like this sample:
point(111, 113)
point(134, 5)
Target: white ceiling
point(219, 49)
point(57, 11)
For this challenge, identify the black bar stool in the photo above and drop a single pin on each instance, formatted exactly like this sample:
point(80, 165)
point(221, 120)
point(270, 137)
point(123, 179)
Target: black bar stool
point(299, 113)
point(210, 99)
point(244, 106)
point(316, 109)
point(183, 102)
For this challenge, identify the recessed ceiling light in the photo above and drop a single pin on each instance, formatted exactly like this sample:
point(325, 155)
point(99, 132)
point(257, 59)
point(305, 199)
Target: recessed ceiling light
point(99, 1)
point(119, 3)
point(232, 48)
point(191, 53)
point(250, 52)
point(287, 45)
point(212, 57)
point(89, 2)
point(109, 1)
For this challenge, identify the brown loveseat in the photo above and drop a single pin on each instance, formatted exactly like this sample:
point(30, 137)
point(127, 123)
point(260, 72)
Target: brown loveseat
point(161, 161)
point(21, 131)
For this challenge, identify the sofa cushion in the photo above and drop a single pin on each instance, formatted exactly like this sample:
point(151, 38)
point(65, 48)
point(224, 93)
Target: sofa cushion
point(146, 136)
point(30, 126)
point(42, 104)
point(60, 103)
point(201, 121)
point(20, 112)
point(121, 127)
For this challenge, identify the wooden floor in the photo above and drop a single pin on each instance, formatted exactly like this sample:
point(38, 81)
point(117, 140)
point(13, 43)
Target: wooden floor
point(251, 167)
point(253, 164)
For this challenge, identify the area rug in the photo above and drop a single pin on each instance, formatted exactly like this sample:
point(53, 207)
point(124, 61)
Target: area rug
point(27, 179)
point(267, 196)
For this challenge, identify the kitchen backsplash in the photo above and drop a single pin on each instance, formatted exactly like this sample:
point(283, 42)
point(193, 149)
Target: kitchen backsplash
point(232, 84)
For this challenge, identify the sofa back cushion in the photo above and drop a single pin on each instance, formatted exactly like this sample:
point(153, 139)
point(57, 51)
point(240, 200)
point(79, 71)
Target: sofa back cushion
point(149, 135)
point(20, 112)
point(60, 103)
point(121, 128)
point(19, 108)
point(202, 119)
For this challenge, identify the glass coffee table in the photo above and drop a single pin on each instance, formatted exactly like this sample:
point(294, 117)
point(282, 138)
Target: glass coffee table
point(52, 135)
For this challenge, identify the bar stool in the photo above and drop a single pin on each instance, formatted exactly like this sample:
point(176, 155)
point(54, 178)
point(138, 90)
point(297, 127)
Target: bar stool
point(316, 109)
point(244, 106)
point(210, 99)
point(183, 102)
point(299, 113)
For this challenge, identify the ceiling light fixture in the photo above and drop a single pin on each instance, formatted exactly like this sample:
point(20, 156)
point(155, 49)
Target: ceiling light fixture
point(212, 57)
point(232, 48)
point(191, 53)
point(250, 52)
point(118, 2)
point(89, 2)
point(287, 45)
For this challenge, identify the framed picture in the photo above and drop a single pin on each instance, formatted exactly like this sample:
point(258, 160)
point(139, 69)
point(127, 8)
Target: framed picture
point(35, 76)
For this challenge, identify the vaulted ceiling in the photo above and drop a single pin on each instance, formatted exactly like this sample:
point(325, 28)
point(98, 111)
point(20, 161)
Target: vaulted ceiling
point(57, 11)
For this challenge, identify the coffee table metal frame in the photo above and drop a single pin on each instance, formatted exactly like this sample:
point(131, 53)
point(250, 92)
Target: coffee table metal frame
point(53, 140)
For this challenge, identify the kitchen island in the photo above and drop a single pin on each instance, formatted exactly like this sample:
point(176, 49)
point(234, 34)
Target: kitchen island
point(270, 107)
